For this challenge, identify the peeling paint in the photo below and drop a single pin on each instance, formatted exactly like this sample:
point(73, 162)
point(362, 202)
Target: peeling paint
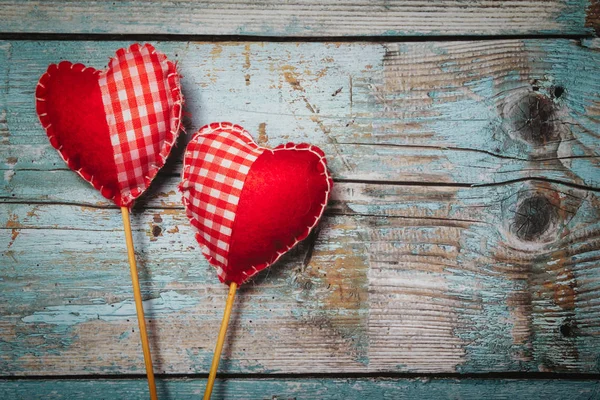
point(8, 174)
point(69, 315)
point(262, 134)
point(397, 262)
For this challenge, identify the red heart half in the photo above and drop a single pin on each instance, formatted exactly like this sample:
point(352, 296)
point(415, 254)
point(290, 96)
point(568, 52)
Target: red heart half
point(248, 204)
point(115, 127)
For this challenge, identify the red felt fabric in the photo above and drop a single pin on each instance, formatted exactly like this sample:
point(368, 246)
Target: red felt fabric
point(283, 197)
point(248, 204)
point(116, 127)
point(69, 104)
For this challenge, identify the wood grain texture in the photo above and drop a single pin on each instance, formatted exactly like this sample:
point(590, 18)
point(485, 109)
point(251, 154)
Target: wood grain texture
point(592, 18)
point(301, 18)
point(413, 270)
point(455, 112)
point(300, 389)
point(399, 278)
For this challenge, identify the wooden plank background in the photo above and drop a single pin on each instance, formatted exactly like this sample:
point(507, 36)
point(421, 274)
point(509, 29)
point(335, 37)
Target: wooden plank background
point(462, 236)
point(410, 389)
point(494, 277)
point(302, 18)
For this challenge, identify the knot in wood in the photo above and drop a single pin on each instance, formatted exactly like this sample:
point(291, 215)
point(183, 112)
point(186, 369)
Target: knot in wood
point(533, 119)
point(534, 216)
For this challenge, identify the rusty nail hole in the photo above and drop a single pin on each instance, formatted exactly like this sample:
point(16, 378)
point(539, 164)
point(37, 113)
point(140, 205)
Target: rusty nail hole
point(156, 230)
point(533, 218)
point(567, 329)
point(558, 91)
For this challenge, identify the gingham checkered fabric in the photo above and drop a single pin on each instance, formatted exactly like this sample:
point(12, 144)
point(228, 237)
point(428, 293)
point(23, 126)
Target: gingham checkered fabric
point(216, 164)
point(138, 108)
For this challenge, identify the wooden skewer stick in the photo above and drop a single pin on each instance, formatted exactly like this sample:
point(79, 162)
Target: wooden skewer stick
point(220, 341)
point(137, 295)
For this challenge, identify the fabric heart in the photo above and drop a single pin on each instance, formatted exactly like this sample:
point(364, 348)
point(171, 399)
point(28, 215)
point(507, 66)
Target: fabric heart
point(250, 204)
point(116, 127)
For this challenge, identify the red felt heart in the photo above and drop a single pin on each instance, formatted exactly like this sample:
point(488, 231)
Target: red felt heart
point(249, 204)
point(115, 127)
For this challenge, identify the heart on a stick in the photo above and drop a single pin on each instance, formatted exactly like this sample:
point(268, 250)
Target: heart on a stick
point(115, 127)
point(249, 204)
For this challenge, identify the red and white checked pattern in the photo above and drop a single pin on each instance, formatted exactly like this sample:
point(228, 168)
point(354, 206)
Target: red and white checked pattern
point(216, 163)
point(139, 111)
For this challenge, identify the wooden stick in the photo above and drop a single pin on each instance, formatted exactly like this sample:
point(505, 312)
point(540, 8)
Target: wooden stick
point(220, 341)
point(137, 295)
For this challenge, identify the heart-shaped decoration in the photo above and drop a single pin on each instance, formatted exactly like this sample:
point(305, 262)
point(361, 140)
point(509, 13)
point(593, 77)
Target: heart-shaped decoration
point(115, 127)
point(249, 204)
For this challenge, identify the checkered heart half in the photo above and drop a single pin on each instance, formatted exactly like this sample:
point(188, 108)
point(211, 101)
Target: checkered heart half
point(248, 204)
point(115, 127)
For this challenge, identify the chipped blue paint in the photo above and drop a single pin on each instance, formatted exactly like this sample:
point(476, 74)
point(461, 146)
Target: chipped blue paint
point(488, 333)
point(575, 74)
point(360, 18)
point(527, 343)
point(199, 359)
point(590, 43)
point(388, 208)
point(471, 138)
point(573, 12)
point(485, 331)
point(75, 314)
point(289, 88)
point(325, 389)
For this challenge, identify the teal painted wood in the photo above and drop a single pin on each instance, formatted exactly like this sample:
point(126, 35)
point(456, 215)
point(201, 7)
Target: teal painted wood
point(450, 112)
point(309, 389)
point(303, 19)
point(400, 278)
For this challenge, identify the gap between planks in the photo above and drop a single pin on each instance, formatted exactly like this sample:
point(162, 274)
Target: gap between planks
point(277, 39)
point(15, 200)
point(539, 376)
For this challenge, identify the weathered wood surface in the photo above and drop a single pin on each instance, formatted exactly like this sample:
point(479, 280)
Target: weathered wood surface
point(453, 112)
point(400, 278)
point(412, 270)
point(302, 18)
point(305, 389)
